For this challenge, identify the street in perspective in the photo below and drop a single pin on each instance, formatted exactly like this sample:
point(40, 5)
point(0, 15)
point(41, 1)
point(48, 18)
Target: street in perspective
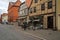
point(29, 19)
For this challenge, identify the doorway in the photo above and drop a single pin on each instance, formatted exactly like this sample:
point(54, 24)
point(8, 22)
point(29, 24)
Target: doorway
point(50, 22)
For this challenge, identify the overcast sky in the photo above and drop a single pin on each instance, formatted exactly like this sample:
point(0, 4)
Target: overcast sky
point(4, 5)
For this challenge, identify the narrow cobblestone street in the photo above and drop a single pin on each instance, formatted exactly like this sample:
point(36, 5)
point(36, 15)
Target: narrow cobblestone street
point(8, 32)
point(29, 19)
point(11, 32)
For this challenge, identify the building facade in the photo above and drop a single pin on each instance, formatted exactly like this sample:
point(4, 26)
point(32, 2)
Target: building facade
point(58, 14)
point(23, 12)
point(43, 12)
point(13, 10)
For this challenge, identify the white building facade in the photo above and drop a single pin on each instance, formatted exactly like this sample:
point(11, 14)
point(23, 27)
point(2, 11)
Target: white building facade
point(23, 12)
point(4, 18)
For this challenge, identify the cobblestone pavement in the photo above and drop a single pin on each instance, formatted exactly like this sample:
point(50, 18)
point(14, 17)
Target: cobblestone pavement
point(8, 32)
point(47, 34)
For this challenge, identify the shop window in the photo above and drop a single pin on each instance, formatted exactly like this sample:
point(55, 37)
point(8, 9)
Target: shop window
point(49, 4)
point(41, 19)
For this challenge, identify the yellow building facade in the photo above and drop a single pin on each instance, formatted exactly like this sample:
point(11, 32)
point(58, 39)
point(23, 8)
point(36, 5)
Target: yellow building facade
point(45, 11)
point(58, 14)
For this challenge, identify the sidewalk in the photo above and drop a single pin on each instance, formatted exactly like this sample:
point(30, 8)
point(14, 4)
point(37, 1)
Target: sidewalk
point(46, 34)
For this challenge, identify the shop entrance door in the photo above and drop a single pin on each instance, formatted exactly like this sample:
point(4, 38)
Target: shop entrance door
point(50, 22)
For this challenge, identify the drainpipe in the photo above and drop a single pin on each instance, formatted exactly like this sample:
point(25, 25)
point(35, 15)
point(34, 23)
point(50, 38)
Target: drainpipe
point(55, 16)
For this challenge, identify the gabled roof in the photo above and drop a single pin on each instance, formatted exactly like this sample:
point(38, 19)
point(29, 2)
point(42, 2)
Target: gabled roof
point(28, 3)
point(4, 14)
point(22, 3)
point(11, 4)
point(17, 3)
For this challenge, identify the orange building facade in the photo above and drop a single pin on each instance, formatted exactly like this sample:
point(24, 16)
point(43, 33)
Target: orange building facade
point(13, 10)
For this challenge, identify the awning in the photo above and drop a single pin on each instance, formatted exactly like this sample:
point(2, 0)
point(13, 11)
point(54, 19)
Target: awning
point(36, 20)
point(22, 17)
point(28, 20)
point(18, 18)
